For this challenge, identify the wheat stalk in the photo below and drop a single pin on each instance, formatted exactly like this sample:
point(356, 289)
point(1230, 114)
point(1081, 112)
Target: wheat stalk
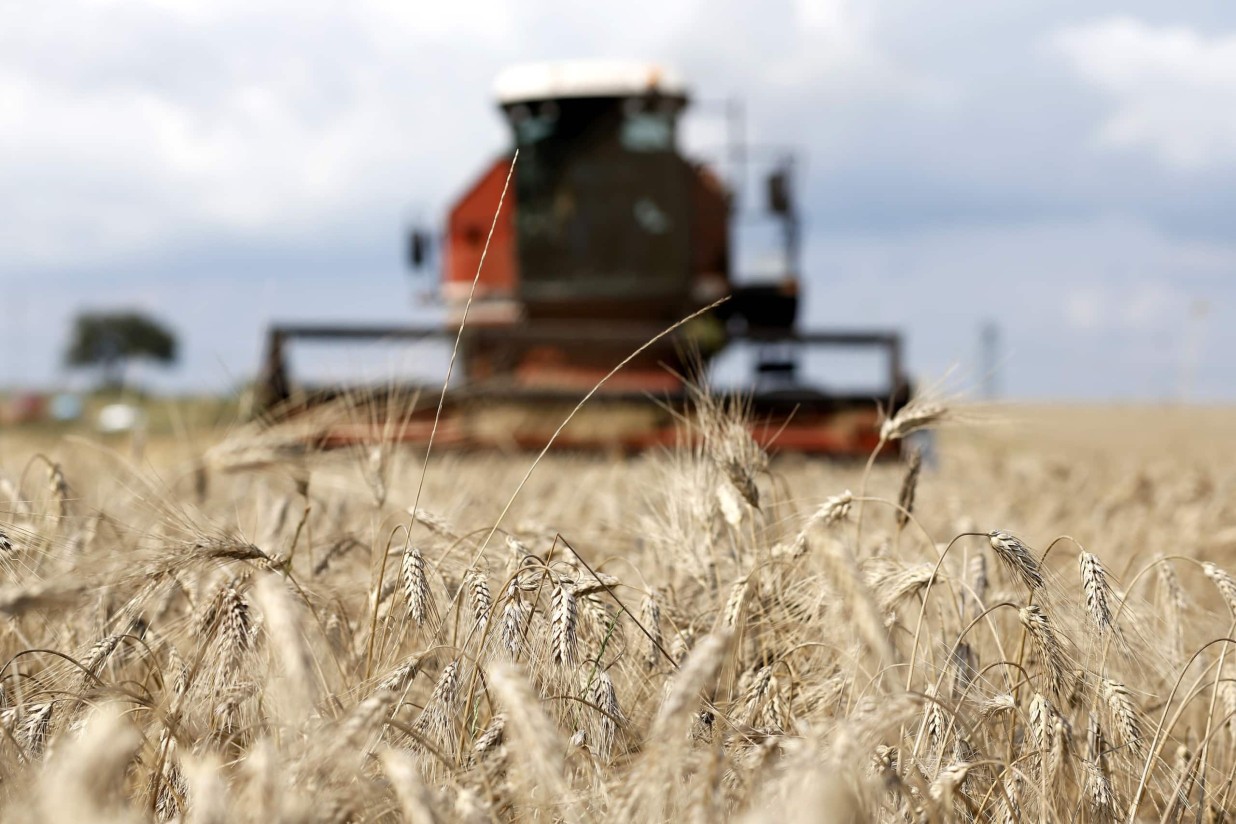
point(415, 585)
point(605, 697)
point(1096, 589)
point(1223, 582)
point(1051, 651)
point(650, 620)
point(1122, 713)
point(479, 599)
point(1017, 558)
point(564, 617)
point(909, 486)
point(914, 416)
point(515, 614)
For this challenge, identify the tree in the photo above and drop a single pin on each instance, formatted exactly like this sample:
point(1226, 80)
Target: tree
point(109, 340)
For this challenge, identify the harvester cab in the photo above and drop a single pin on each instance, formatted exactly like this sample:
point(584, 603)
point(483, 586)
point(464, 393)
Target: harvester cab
point(608, 234)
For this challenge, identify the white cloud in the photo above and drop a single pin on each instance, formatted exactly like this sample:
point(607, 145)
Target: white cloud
point(1138, 307)
point(1086, 308)
point(1174, 88)
point(836, 46)
point(1083, 308)
point(133, 127)
point(130, 127)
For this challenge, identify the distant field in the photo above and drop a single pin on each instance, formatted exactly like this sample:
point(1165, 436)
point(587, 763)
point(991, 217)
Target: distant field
point(1116, 431)
point(256, 633)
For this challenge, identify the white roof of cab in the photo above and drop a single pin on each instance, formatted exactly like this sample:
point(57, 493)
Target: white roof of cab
point(585, 78)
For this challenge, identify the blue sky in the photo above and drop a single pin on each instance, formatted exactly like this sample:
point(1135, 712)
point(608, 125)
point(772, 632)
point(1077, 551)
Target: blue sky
point(1063, 170)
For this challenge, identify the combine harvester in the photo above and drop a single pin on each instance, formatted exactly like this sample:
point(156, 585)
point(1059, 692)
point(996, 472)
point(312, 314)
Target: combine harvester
point(607, 237)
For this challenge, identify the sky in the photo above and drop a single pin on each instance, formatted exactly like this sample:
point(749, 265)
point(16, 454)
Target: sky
point(1062, 170)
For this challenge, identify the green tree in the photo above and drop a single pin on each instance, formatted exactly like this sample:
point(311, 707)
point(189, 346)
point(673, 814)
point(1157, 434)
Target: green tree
point(109, 340)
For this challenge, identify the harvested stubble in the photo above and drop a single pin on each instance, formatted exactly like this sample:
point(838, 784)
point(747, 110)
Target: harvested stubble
point(700, 633)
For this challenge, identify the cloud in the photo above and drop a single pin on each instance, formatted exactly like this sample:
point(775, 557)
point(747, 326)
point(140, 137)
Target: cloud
point(134, 127)
point(1173, 88)
point(1141, 307)
point(1094, 308)
point(174, 153)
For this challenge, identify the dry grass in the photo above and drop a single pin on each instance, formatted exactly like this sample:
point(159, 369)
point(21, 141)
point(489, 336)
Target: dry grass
point(1033, 631)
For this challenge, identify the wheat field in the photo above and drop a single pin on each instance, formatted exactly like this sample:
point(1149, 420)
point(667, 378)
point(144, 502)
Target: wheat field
point(1034, 623)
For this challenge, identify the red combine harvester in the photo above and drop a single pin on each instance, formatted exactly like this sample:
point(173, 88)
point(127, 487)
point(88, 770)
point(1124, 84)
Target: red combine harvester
point(608, 235)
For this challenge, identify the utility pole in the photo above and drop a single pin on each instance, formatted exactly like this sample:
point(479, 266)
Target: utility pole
point(989, 359)
point(18, 330)
point(1192, 350)
point(736, 139)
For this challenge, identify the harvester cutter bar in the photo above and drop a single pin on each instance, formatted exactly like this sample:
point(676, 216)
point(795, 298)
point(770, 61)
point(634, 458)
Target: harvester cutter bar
point(790, 417)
